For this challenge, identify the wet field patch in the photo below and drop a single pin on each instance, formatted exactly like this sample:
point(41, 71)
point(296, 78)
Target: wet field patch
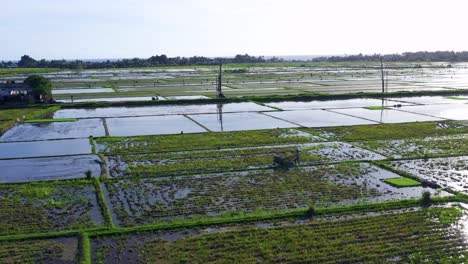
point(394, 236)
point(55, 130)
point(142, 201)
point(451, 172)
point(239, 121)
point(420, 148)
point(159, 110)
point(48, 206)
point(318, 118)
point(58, 250)
point(393, 131)
point(51, 168)
point(386, 115)
point(163, 164)
point(152, 125)
point(330, 104)
point(44, 148)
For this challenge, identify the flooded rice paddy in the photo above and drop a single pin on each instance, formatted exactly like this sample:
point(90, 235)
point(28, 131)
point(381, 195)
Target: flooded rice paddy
point(239, 121)
point(214, 177)
point(50, 168)
point(159, 110)
point(319, 118)
point(152, 125)
point(347, 103)
point(452, 111)
point(386, 115)
point(44, 148)
point(81, 128)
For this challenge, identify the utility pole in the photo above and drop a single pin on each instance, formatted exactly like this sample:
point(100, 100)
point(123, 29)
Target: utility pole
point(219, 90)
point(382, 73)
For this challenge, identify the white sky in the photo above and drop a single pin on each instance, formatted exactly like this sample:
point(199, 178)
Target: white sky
point(56, 29)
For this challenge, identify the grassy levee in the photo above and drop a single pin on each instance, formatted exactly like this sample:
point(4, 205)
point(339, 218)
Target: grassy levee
point(260, 99)
point(50, 120)
point(84, 249)
point(105, 210)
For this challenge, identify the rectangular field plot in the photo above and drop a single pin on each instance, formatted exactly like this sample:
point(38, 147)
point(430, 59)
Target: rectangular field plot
point(159, 110)
point(57, 250)
point(44, 148)
point(419, 148)
point(152, 125)
point(447, 111)
point(386, 115)
point(378, 238)
point(142, 201)
point(239, 121)
point(41, 169)
point(349, 103)
point(187, 97)
point(319, 118)
point(82, 91)
point(191, 162)
point(111, 99)
point(447, 172)
point(205, 141)
point(55, 130)
point(428, 100)
point(48, 206)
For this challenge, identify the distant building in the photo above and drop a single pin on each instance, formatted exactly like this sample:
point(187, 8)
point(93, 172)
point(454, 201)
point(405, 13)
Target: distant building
point(12, 89)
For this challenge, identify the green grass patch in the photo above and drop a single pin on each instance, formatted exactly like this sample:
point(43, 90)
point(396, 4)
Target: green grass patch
point(402, 182)
point(456, 98)
point(375, 107)
point(50, 120)
point(393, 131)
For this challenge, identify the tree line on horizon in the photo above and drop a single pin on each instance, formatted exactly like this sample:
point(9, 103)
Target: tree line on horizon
point(163, 60)
point(158, 60)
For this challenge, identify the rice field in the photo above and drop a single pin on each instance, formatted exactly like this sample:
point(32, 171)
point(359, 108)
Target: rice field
point(261, 179)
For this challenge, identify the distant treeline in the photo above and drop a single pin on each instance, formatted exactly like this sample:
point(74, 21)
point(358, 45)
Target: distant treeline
point(162, 60)
point(158, 60)
point(421, 56)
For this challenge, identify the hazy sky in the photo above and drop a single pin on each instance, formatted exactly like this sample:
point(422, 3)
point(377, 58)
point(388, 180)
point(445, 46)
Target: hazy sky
point(56, 29)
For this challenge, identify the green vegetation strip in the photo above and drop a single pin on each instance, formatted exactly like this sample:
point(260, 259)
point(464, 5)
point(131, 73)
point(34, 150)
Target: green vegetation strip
point(393, 131)
point(375, 107)
point(85, 249)
point(402, 182)
point(373, 239)
point(167, 143)
point(50, 120)
point(106, 213)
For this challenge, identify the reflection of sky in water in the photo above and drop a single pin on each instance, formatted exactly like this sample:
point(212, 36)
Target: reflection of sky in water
point(448, 111)
point(386, 115)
